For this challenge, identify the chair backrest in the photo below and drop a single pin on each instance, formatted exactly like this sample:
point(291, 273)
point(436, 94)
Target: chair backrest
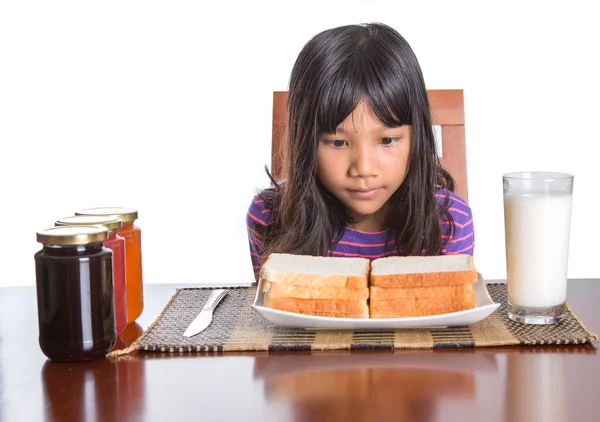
point(447, 110)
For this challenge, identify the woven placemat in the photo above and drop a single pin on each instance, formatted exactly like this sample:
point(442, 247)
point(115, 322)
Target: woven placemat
point(238, 327)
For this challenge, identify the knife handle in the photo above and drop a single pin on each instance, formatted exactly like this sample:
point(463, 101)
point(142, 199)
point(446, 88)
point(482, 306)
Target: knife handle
point(214, 299)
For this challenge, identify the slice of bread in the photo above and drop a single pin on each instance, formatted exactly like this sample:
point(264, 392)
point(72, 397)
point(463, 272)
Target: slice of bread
point(413, 313)
point(440, 292)
point(419, 306)
point(422, 271)
point(364, 314)
point(304, 270)
point(303, 306)
point(410, 307)
point(313, 292)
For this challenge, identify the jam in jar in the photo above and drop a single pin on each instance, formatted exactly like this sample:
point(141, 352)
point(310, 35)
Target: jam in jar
point(74, 281)
point(133, 255)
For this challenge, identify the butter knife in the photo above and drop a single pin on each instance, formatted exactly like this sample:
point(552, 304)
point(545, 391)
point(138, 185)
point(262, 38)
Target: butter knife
point(204, 318)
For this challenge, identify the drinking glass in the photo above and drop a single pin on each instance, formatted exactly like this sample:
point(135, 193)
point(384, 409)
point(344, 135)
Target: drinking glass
point(537, 221)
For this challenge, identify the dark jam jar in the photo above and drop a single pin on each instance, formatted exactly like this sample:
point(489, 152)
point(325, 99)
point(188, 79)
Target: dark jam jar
point(74, 280)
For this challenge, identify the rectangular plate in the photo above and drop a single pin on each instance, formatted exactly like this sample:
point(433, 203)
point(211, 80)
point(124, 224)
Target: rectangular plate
point(484, 307)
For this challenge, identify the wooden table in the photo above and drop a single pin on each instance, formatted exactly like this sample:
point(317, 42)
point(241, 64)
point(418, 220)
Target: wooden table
point(513, 384)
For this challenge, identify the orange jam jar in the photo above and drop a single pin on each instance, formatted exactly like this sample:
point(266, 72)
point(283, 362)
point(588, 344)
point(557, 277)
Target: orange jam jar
point(116, 243)
point(133, 255)
point(74, 286)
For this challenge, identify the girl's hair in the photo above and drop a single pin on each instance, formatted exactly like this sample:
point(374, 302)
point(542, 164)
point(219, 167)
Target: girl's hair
point(334, 71)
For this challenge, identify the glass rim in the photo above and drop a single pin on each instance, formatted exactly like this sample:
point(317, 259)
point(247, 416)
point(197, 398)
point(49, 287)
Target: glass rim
point(538, 175)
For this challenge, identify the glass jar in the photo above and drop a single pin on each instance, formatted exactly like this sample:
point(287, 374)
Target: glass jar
point(133, 255)
point(116, 244)
point(74, 281)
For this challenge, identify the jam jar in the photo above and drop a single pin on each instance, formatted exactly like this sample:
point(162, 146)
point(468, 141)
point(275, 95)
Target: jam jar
point(116, 244)
point(133, 255)
point(74, 281)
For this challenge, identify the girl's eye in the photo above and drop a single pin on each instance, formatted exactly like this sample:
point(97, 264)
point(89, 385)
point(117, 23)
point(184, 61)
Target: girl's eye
point(389, 141)
point(337, 143)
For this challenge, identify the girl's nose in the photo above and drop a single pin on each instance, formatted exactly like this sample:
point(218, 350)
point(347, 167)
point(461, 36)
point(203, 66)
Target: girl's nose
point(364, 162)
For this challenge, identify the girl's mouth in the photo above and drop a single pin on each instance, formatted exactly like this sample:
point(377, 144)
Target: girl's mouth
point(364, 194)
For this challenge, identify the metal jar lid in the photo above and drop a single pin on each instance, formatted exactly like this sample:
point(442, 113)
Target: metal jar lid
point(125, 214)
point(111, 223)
point(72, 235)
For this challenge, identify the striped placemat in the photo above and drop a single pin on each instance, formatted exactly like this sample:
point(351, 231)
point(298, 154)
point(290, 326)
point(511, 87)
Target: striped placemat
point(237, 327)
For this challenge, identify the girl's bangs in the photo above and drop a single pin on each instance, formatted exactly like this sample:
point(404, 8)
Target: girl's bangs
point(337, 100)
point(384, 88)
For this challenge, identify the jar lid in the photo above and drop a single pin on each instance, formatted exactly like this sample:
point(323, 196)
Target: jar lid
point(108, 221)
point(72, 235)
point(125, 214)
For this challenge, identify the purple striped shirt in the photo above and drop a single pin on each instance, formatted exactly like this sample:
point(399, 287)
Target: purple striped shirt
point(355, 243)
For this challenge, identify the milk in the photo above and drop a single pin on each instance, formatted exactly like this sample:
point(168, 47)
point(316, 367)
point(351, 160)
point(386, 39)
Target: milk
point(537, 230)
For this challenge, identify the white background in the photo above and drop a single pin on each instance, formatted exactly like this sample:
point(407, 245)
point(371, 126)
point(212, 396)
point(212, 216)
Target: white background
point(166, 107)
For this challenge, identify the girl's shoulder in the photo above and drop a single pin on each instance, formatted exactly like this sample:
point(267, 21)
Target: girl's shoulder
point(442, 193)
point(457, 206)
point(260, 209)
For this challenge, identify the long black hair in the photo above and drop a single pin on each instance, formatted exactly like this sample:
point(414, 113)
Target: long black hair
point(335, 71)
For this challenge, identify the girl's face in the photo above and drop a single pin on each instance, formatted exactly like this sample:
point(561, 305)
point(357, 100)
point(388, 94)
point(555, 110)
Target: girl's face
point(363, 164)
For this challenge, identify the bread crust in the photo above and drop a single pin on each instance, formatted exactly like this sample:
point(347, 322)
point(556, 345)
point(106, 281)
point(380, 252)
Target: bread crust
point(297, 279)
point(364, 314)
point(403, 308)
point(317, 305)
point(313, 292)
point(411, 313)
point(441, 293)
point(338, 315)
point(431, 279)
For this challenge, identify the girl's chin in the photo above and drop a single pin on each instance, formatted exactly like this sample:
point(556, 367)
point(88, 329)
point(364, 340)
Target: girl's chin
point(361, 213)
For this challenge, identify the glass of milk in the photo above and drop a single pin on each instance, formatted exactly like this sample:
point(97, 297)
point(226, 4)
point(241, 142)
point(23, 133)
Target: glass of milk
point(537, 223)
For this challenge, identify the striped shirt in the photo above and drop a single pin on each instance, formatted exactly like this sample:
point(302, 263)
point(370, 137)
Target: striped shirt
point(355, 243)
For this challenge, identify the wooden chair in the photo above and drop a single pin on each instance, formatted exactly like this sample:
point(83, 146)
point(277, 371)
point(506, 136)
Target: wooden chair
point(447, 109)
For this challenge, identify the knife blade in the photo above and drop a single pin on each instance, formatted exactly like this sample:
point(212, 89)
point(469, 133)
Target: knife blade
point(204, 318)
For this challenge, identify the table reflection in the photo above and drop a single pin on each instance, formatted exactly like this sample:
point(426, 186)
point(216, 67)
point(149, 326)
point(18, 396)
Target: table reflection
point(337, 387)
point(536, 387)
point(104, 389)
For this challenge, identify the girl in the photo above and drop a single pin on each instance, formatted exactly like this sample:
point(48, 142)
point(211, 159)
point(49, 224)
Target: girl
point(362, 176)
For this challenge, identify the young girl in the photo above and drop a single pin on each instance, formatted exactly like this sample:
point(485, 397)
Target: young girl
point(361, 173)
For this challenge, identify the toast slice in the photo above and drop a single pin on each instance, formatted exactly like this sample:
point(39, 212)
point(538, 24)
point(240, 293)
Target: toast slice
point(364, 314)
point(331, 306)
point(422, 307)
point(441, 293)
point(412, 307)
point(313, 292)
point(423, 271)
point(304, 270)
point(338, 315)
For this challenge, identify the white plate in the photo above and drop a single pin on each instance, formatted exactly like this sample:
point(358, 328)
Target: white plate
point(484, 307)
